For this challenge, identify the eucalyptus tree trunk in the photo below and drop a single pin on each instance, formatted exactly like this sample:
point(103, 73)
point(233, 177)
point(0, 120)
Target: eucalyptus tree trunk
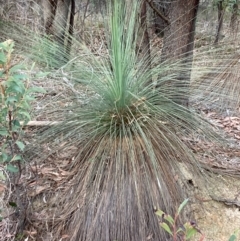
point(233, 22)
point(64, 31)
point(146, 41)
point(221, 11)
point(59, 21)
point(160, 23)
point(178, 42)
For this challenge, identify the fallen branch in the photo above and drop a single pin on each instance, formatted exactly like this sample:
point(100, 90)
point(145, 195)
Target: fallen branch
point(151, 4)
point(228, 202)
point(40, 123)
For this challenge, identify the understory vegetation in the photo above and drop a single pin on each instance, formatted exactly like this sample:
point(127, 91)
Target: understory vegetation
point(100, 143)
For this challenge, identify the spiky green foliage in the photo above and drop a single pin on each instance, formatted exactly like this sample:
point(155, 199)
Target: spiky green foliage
point(126, 143)
point(127, 139)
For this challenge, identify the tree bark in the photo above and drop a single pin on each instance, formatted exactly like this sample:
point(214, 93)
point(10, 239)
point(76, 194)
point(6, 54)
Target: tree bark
point(221, 12)
point(178, 42)
point(62, 20)
point(49, 15)
point(146, 41)
point(57, 13)
point(233, 21)
point(161, 9)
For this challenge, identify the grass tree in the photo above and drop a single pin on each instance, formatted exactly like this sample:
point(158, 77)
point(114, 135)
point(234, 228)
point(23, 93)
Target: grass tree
point(125, 143)
point(128, 148)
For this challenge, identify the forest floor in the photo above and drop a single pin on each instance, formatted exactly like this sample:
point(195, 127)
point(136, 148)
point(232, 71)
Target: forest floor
point(215, 206)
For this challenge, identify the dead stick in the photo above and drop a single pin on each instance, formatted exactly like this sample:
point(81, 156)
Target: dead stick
point(40, 123)
point(150, 2)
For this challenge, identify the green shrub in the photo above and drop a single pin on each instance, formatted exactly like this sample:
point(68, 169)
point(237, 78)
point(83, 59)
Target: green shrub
point(15, 98)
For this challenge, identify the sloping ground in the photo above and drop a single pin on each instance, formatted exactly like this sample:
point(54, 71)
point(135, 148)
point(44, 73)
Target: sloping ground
point(216, 207)
point(218, 217)
point(218, 213)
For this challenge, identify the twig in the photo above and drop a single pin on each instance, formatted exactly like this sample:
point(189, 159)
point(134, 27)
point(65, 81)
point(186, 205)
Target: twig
point(40, 123)
point(151, 4)
point(228, 202)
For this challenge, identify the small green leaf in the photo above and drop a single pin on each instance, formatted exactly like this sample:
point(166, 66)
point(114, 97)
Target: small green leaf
point(5, 157)
point(190, 233)
point(169, 219)
point(4, 112)
point(20, 145)
point(17, 158)
point(18, 77)
point(36, 90)
point(42, 74)
point(14, 88)
point(160, 213)
point(3, 132)
point(233, 237)
point(16, 67)
point(7, 45)
point(11, 99)
point(180, 230)
point(182, 206)
point(190, 230)
point(12, 168)
point(25, 105)
point(2, 176)
point(166, 227)
point(16, 123)
point(29, 98)
point(25, 113)
point(3, 58)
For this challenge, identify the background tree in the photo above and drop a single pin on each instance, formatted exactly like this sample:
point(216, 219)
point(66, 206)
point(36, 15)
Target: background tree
point(178, 42)
point(221, 11)
point(56, 15)
point(144, 24)
point(159, 22)
point(234, 17)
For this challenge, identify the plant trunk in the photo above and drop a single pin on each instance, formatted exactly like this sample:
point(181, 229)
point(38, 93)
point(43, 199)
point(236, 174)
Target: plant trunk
point(178, 43)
